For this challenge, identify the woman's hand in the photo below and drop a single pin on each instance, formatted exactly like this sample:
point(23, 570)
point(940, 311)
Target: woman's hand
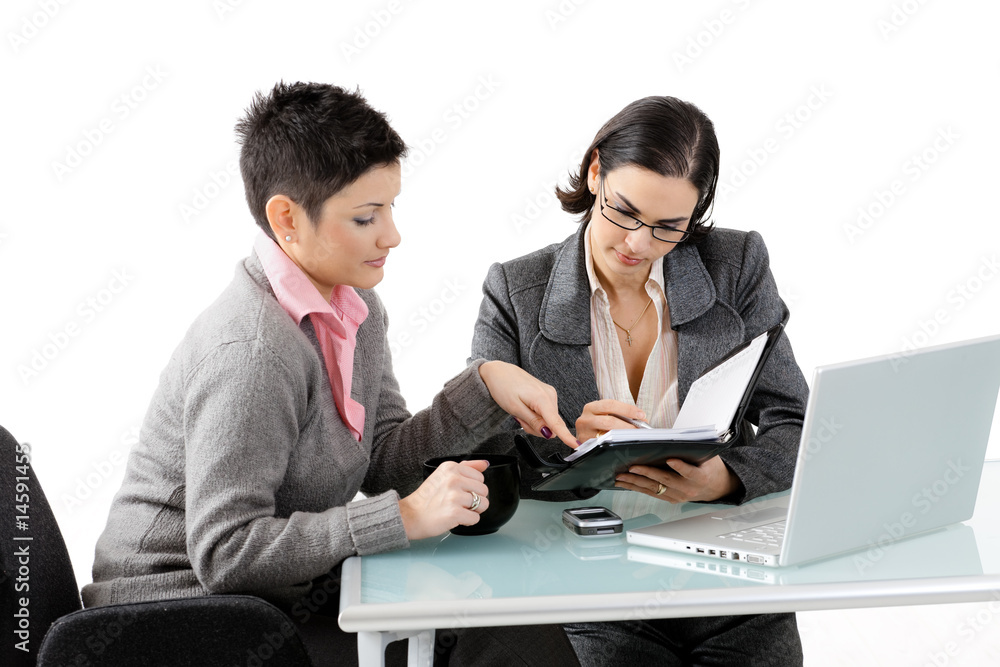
point(601, 416)
point(526, 398)
point(444, 500)
point(682, 482)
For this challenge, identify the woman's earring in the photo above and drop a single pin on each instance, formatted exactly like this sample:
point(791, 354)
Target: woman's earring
point(288, 238)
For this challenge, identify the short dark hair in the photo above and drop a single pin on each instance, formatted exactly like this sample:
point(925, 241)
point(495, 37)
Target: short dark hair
point(663, 134)
point(308, 141)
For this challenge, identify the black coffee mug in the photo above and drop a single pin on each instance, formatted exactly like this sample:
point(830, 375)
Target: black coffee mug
point(502, 478)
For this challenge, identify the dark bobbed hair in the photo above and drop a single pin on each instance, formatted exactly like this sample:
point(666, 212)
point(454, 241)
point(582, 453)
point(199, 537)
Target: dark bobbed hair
point(308, 141)
point(663, 134)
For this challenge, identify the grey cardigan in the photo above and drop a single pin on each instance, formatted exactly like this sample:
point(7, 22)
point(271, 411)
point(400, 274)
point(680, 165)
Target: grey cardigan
point(536, 313)
point(244, 473)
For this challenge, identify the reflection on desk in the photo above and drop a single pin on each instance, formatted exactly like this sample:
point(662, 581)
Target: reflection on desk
point(532, 555)
point(534, 570)
point(537, 556)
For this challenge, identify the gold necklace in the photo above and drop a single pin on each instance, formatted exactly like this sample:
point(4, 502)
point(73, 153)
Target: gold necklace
point(628, 332)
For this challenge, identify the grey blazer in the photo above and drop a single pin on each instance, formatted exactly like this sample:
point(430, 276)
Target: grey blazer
point(536, 313)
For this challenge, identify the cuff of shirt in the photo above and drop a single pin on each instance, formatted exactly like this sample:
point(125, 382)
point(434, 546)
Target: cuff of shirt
point(376, 525)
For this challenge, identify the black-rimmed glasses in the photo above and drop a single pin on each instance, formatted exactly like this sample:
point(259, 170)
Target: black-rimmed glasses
point(625, 221)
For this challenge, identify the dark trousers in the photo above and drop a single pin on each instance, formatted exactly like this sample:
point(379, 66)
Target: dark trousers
point(315, 618)
point(529, 645)
point(760, 640)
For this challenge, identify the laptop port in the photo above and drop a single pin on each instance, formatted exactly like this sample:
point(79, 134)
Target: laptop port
point(723, 554)
point(736, 556)
point(711, 552)
point(700, 550)
point(755, 559)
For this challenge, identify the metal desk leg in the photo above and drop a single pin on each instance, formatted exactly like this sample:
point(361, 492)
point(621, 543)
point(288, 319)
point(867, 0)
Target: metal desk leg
point(371, 647)
point(420, 652)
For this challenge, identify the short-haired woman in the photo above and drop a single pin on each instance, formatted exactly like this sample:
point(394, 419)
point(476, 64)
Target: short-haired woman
point(280, 403)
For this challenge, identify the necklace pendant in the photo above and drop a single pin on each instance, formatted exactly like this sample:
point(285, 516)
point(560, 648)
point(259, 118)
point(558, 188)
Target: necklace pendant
point(628, 332)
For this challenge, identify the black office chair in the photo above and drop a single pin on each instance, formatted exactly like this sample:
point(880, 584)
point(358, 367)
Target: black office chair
point(41, 609)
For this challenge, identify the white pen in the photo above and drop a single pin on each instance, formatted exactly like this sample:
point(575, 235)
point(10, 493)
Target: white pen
point(638, 423)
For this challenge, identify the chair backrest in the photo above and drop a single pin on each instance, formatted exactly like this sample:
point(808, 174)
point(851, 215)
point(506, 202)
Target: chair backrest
point(205, 630)
point(37, 584)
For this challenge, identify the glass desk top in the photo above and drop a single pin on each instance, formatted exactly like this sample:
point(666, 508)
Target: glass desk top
point(535, 570)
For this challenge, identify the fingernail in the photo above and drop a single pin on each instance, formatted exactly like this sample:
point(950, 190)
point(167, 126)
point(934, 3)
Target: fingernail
point(578, 442)
point(546, 433)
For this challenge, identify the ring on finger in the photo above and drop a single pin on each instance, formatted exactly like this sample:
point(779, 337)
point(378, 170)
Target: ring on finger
point(475, 501)
point(660, 490)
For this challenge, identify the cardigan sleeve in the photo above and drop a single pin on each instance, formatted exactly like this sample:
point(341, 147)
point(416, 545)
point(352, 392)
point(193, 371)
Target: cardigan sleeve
point(461, 415)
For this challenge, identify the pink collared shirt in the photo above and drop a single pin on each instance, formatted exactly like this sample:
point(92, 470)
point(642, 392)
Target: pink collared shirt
point(336, 323)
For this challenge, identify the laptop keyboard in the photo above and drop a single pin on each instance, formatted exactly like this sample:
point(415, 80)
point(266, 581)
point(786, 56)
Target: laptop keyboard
point(768, 535)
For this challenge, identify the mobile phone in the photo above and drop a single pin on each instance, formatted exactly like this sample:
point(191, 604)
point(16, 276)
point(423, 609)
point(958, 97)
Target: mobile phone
point(592, 521)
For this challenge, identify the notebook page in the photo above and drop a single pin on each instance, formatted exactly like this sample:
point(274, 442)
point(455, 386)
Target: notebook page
point(715, 397)
point(644, 435)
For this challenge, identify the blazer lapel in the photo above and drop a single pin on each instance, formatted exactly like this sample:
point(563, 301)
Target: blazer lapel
point(564, 316)
point(690, 290)
point(706, 328)
point(562, 349)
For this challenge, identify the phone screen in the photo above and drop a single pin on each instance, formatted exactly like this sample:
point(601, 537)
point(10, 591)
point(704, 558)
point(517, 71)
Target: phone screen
point(594, 513)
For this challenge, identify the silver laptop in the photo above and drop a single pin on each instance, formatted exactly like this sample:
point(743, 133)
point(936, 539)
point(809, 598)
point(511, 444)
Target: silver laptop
point(891, 447)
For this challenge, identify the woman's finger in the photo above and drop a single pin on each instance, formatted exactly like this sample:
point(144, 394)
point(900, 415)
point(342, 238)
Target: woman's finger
point(647, 486)
point(555, 425)
point(610, 406)
point(479, 465)
point(539, 415)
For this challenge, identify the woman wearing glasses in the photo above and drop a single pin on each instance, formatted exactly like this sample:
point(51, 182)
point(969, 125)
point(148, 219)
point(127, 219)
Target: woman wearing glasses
point(623, 316)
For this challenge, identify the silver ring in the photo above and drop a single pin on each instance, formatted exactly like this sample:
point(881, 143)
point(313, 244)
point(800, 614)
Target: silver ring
point(475, 501)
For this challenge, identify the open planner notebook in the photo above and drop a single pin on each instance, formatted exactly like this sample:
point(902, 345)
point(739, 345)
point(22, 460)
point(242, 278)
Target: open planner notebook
point(707, 422)
point(710, 406)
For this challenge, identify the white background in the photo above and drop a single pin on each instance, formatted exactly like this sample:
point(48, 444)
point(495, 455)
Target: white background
point(122, 219)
